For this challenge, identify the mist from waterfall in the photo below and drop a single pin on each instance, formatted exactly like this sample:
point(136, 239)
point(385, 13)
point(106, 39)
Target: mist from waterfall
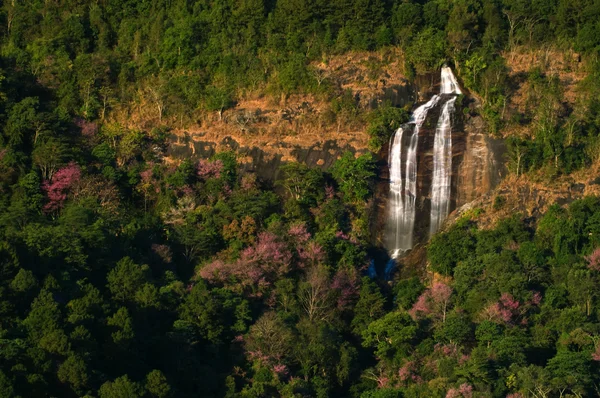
point(403, 168)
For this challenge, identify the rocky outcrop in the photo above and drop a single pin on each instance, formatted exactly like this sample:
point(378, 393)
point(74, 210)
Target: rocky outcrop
point(479, 162)
point(263, 160)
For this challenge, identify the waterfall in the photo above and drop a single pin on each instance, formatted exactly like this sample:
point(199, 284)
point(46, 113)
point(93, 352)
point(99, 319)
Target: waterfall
point(442, 154)
point(442, 168)
point(403, 191)
point(403, 168)
point(449, 84)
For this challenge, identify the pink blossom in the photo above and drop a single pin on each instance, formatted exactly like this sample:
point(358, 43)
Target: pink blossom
point(515, 395)
point(449, 350)
point(329, 192)
point(248, 182)
point(536, 299)
point(596, 354)
point(186, 190)
point(299, 233)
point(163, 251)
point(88, 129)
point(383, 381)
point(506, 310)
point(257, 268)
point(312, 253)
point(466, 390)
point(341, 235)
point(227, 191)
point(406, 371)
point(280, 369)
point(146, 175)
point(433, 301)
point(58, 187)
point(346, 284)
point(453, 393)
point(207, 169)
point(463, 359)
point(593, 260)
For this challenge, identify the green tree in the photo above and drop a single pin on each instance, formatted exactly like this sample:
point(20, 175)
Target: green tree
point(121, 387)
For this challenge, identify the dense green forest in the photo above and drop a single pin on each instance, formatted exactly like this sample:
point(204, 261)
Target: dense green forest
point(126, 276)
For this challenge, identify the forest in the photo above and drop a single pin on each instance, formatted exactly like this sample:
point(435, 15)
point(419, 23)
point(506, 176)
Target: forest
point(123, 275)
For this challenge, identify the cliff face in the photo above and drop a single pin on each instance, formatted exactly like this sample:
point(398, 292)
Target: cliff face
point(477, 168)
point(262, 159)
point(479, 162)
point(267, 135)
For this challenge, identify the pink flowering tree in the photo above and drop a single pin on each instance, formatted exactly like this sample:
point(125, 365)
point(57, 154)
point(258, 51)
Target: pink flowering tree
point(347, 284)
point(463, 391)
point(59, 186)
point(593, 260)
point(408, 373)
point(309, 252)
point(506, 310)
point(209, 169)
point(258, 267)
point(148, 186)
point(88, 129)
point(433, 302)
point(596, 354)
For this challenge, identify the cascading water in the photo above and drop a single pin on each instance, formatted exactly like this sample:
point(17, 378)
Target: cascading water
point(442, 168)
point(403, 168)
point(403, 191)
point(449, 84)
point(442, 155)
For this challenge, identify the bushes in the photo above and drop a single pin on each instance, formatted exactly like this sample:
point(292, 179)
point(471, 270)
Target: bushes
point(383, 122)
point(447, 249)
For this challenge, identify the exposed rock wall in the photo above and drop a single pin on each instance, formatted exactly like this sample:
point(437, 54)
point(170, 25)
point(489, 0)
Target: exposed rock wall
point(263, 160)
point(477, 168)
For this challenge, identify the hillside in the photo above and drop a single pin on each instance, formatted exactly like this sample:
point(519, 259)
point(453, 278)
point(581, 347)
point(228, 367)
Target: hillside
point(193, 196)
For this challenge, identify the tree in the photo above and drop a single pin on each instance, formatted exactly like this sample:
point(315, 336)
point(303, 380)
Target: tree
point(315, 296)
point(433, 302)
point(391, 336)
point(121, 387)
point(355, 176)
point(59, 186)
point(44, 317)
point(304, 184)
point(74, 372)
point(571, 371)
point(125, 279)
point(157, 385)
point(370, 306)
point(218, 99)
point(123, 327)
point(49, 155)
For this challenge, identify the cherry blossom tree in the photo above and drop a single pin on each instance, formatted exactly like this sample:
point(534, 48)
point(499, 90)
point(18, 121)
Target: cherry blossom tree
point(258, 267)
point(433, 302)
point(207, 169)
point(347, 284)
point(593, 260)
point(59, 186)
point(505, 310)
